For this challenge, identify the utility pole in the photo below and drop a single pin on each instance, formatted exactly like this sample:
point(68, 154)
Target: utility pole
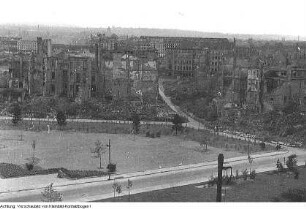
point(219, 184)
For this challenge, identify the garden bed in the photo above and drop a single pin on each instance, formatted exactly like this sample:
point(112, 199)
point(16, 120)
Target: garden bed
point(8, 170)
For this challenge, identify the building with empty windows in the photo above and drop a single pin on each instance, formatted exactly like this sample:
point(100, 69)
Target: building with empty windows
point(27, 46)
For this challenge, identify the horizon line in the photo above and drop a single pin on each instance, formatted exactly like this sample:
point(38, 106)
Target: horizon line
point(186, 30)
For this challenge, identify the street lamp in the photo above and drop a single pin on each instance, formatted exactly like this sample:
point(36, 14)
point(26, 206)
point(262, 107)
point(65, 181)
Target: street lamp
point(109, 157)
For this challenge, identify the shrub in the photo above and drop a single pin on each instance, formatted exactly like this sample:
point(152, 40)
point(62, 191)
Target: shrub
point(253, 174)
point(227, 180)
point(148, 134)
point(51, 195)
point(78, 174)
point(152, 135)
point(8, 170)
point(158, 133)
point(15, 110)
point(262, 145)
point(291, 162)
point(237, 174)
point(61, 118)
point(111, 167)
point(245, 174)
point(296, 174)
point(12, 170)
point(29, 166)
point(212, 181)
point(136, 123)
point(279, 166)
point(177, 123)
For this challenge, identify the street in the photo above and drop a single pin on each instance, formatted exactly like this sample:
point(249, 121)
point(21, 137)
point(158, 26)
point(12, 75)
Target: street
point(102, 189)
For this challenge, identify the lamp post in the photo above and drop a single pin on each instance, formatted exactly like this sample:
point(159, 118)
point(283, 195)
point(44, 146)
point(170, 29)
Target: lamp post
point(109, 157)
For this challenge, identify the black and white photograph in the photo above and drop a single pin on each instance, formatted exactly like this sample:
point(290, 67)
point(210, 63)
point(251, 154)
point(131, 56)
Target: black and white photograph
point(152, 101)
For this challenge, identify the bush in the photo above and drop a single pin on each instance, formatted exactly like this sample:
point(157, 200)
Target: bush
point(177, 123)
point(61, 118)
point(152, 135)
point(158, 133)
point(11, 170)
point(253, 174)
point(29, 166)
point(148, 134)
point(237, 174)
point(245, 174)
point(296, 174)
point(78, 174)
point(279, 166)
point(291, 162)
point(262, 145)
point(111, 168)
point(51, 195)
point(15, 110)
point(136, 123)
point(226, 180)
point(8, 170)
point(212, 181)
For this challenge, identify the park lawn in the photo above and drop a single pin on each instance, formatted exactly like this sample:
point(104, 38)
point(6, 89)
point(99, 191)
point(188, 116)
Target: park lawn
point(267, 187)
point(72, 150)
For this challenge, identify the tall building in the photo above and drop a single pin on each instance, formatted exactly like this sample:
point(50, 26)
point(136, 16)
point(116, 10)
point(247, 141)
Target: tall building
point(69, 75)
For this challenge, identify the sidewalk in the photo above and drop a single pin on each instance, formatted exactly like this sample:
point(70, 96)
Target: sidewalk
point(90, 120)
point(41, 181)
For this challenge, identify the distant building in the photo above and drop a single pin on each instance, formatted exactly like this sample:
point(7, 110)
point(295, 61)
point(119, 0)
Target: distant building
point(9, 43)
point(253, 88)
point(69, 75)
point(289, 86)
point(27, 46)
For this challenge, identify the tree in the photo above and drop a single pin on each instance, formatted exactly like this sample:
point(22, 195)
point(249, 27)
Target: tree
point(99, 150)
point(51, 195)
point(15, 110)
point(117, 188)
point(129, 186)
point(61, 118)
point(32, 161)
point(136, 123)
point(177, 123)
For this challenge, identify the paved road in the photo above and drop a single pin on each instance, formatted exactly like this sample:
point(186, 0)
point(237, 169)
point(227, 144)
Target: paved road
point(150, 181)
point(192, 123)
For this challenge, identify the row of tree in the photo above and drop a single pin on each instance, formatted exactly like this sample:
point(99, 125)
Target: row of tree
point(177, 121)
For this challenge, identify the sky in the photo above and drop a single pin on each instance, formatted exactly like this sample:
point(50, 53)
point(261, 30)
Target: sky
point(282, 17)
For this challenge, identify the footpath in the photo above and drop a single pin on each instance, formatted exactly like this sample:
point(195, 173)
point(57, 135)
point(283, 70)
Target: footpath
point(81, 120)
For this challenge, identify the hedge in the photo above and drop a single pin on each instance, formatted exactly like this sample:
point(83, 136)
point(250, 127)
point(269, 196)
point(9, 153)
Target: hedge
point(8, 170)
